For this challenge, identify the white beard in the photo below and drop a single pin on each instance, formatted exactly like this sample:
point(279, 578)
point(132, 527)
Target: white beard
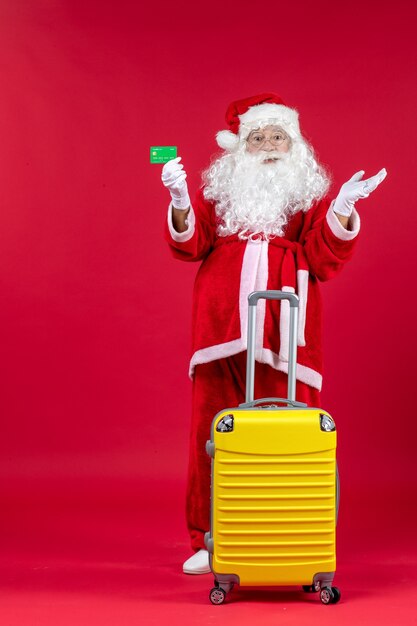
point(255, 199)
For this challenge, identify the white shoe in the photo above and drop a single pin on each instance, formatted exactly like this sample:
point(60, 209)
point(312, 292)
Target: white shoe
point(197, 564)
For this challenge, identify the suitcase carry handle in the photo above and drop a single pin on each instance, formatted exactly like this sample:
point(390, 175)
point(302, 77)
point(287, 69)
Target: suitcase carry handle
point(249, 405)
point(292, 356)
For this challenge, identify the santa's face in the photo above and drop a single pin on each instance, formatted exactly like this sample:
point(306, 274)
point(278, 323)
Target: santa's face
point(268, 139)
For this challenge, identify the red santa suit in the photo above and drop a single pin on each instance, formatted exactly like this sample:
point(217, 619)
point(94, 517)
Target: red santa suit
point(314, 248)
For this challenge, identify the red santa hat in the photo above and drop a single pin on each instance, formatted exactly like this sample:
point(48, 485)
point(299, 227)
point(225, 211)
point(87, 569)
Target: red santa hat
point(244, 115)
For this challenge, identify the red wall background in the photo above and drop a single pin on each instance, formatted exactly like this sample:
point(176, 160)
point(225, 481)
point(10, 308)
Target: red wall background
point(95, 314)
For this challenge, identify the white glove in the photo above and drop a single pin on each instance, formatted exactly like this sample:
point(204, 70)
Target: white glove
point(354, 189)
point(173, 176)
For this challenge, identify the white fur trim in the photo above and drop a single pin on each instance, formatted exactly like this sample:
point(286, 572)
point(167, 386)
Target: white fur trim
point(206, 355)
point(337, 228)
point(213, 353)
point(261, 285)
point(302, 289)
point(187, 234)
point(284, 318)
point(278, 113)
point(304, 374)
point(248, 276)
point(253, 277)
point(227, 140)
point(284, 326)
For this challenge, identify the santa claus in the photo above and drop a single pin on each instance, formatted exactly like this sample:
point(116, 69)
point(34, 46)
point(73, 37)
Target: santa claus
point(262, 220)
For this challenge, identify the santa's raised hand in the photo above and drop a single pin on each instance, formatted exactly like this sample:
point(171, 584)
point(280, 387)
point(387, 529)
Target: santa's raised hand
point(174, 178)
point(355, 189)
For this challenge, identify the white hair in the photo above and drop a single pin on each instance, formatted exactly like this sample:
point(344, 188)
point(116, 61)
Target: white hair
point(254, 198)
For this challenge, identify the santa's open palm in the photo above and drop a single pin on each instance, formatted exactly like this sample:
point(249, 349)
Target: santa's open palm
point(355, 189)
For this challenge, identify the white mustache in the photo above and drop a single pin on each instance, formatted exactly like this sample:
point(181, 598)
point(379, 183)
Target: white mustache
point(261, 157)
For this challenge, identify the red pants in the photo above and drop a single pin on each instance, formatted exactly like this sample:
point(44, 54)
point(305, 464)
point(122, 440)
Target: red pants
point(219, 385)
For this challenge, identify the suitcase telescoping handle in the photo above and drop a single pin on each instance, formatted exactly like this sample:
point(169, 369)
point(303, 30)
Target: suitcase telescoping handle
point(292, 360)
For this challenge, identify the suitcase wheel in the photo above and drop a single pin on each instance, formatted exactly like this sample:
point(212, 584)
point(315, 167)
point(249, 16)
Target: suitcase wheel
point(336, 594)
point(217, 595)
point(330, 595)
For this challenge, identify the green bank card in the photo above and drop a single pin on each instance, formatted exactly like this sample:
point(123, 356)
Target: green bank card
point(163, 154)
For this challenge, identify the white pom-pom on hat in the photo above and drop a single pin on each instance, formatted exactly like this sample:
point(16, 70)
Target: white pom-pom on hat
point(227, 140)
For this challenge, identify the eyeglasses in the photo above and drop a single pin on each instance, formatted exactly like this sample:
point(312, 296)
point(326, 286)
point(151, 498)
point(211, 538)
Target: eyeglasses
point(257, 139)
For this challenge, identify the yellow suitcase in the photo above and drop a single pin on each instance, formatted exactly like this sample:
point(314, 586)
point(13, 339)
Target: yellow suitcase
point(274, 486)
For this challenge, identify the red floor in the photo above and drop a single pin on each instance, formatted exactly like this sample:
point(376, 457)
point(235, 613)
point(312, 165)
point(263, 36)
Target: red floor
point(116, 561)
